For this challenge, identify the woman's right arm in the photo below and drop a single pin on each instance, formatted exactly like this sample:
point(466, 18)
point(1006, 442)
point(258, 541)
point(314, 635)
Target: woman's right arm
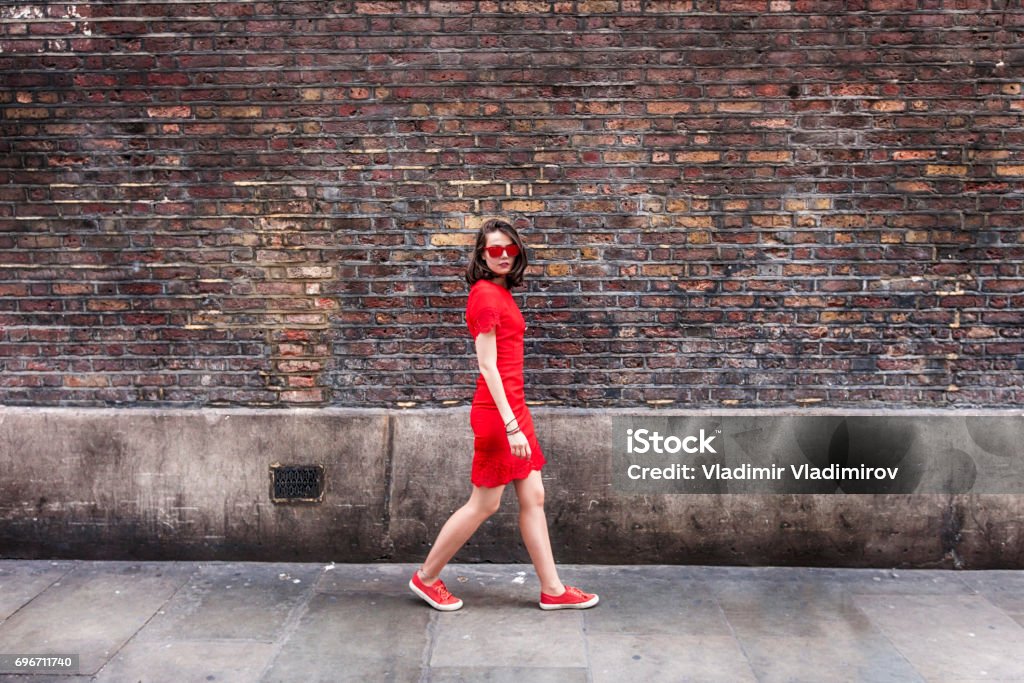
point(487, 359)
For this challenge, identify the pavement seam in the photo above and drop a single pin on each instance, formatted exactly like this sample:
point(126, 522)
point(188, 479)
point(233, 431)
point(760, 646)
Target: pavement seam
point(882, 634)
point(60, 578)
point(960, 578)
point(586, 647)
point(433, 623)
point(732, 631)
point(196, 568)
point(291, 622)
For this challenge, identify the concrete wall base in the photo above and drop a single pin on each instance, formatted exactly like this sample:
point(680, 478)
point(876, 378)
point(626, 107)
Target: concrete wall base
point(143, 484)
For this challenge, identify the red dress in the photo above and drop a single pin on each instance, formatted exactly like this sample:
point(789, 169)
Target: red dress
point(491, 304)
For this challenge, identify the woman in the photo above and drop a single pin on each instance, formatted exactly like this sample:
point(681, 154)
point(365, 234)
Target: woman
point(505, 447)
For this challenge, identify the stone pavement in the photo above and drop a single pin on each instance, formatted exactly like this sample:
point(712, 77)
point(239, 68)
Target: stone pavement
point(269, 622)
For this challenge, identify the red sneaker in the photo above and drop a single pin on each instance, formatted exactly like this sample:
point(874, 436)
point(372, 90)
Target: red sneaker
point(572, 598)
point(436, 594)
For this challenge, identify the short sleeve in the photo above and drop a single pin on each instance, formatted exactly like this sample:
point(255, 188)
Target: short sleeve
point(483, 320)
point(483, 311)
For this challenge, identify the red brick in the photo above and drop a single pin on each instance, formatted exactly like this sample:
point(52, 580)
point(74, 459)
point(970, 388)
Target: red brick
point(777, 198)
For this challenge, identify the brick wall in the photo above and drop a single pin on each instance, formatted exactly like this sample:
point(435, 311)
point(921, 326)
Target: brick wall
point(732, 203)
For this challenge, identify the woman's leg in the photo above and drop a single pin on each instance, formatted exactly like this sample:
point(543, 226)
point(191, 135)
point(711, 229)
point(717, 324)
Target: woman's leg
point(483, 503)
point(533, 525)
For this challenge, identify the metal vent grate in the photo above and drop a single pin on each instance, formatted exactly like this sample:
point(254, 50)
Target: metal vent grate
point(296, 483)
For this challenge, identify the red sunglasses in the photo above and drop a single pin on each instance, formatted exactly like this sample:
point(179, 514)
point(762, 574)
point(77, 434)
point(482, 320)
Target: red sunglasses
point(511, 249)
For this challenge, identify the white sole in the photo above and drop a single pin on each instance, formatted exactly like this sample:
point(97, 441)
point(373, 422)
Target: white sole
point(435, 605)
point(579, 605)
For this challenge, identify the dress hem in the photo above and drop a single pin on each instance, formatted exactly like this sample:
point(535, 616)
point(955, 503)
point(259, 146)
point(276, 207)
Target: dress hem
point(511, 479)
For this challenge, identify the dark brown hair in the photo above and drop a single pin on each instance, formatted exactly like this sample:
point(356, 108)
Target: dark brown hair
point(478, 270)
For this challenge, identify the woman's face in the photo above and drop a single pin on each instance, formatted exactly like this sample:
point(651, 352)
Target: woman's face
point(502, 264)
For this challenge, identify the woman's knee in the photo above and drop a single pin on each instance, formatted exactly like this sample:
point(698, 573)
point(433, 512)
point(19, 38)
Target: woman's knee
point(484, 505)
point(532, 496)
point(486, 508)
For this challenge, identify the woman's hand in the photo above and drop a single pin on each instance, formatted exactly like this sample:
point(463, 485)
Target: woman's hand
point(520, 445)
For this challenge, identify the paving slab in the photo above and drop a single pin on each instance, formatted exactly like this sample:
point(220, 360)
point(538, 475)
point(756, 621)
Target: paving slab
point(19, 583)
point(93, 610)
point(658, 657)
point(353, 637)
point(807, 626)
point(154, 660)
point(838, 653)
point(1003, 588)
point(233, 601)
point(805, 610)
point(509, 635)
point(391, 579)
point(632, 603)
point(950, 637)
